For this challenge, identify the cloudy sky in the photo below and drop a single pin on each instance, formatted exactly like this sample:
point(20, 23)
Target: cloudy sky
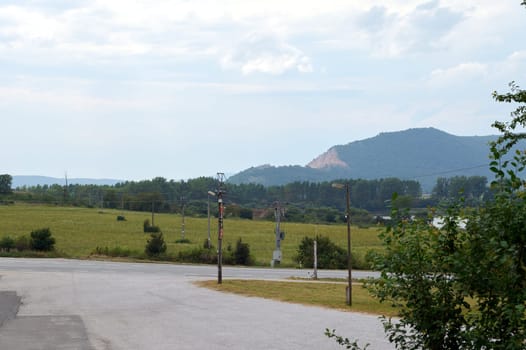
point(186, 88)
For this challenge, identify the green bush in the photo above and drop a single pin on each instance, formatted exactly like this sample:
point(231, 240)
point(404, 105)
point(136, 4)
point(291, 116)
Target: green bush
point(156, 245)
point(114, 252)
point(41, 240)
point(330, 255)
point(150, 228)
point(198, 256)
point(7, 243)
point(241, 254)
point(22, 243)
point(246, 213)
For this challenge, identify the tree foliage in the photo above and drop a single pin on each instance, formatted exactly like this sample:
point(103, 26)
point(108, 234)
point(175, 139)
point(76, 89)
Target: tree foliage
point(5, 183)
point(471, 189)
point(463, 288)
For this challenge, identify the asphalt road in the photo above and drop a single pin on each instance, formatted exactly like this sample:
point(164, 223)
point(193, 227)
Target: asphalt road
point(71, 304)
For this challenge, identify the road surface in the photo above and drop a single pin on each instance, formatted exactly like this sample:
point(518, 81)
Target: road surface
point(73, 304)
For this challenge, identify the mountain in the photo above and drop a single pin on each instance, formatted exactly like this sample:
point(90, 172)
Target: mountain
point(421, 154)
point(28, 180)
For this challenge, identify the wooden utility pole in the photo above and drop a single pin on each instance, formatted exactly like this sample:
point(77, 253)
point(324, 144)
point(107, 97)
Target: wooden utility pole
point(349, 259)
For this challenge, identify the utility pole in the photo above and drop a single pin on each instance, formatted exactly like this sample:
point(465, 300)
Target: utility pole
point(349, 259)
point(221, 208)
point(276, 255)
point(153, 204)
point(208, 211)
point(182, 213)
point(65, 189)
point(347, 188)
point(315, 260)
point(221, 180)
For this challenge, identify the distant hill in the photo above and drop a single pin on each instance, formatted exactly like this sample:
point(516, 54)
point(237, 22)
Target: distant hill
point(28, 180)
point(421, 154)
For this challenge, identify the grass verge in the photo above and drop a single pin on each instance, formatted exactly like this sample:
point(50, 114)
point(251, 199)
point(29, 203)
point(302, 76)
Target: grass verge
point(323, 294)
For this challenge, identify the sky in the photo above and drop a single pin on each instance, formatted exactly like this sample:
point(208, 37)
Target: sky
point(132, 90)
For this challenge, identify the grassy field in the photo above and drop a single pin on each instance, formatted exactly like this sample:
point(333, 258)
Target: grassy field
point(330, 295)
point(78, 231)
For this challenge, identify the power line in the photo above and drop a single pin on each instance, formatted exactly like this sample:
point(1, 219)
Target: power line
point(451, 171)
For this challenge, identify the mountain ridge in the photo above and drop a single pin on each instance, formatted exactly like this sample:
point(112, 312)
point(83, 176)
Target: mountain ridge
point(421, 154)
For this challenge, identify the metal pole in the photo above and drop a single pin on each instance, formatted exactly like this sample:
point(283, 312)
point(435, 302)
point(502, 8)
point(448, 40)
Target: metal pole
point(315, 260)
point(182, 213)
point(220, 239)
point(153, 224)
point(221, 178)
point(276, 255)
point(208, 210)
point(349, 262)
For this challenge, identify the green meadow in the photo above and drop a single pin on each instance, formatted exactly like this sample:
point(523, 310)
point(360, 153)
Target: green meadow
point(78, 231)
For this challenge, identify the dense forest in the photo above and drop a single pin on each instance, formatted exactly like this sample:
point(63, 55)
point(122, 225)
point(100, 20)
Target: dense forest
point(303, 201)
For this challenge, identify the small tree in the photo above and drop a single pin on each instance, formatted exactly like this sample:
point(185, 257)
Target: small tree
point(430, 273)
point(5, 183)
point(42, 240)
point(156, 245)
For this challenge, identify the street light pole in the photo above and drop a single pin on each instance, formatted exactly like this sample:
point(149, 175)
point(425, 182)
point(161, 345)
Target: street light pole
point(348, 219)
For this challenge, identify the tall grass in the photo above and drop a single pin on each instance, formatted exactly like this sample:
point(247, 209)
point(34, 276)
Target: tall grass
point(79, 231)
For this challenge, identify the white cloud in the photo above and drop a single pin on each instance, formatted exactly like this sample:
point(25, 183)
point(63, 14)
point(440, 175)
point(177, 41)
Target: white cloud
point(21, 26)
point(260, 53)
point(459, 74)
point(515, 64)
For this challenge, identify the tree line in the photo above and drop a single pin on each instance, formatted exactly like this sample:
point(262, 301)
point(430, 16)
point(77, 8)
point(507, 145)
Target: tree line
point(306, 201)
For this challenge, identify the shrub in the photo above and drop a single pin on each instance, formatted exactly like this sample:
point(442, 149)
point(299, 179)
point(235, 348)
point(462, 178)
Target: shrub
point(149, 228)
point(22, 243)
point(42, 240)
point(246, 213)
point(330, 255)
point(155, 245)
point(241, 255)
point(114, 252)
point(198, 256)
point(7, 243)
point(183, 241)
point(122, 218)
